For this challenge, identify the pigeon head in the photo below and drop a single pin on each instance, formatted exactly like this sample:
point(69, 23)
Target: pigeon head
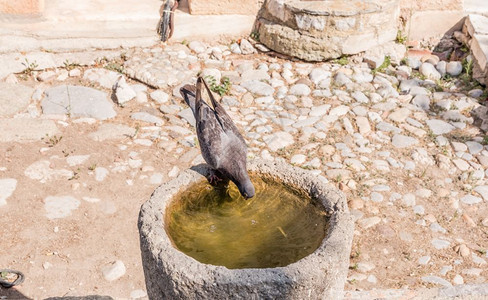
point(246, 188)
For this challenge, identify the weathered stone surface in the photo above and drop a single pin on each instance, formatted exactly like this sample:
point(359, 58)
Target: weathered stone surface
point(317, 30)
point(25, 130)
point(78, 101)
point(311, 277)
point(13, 98)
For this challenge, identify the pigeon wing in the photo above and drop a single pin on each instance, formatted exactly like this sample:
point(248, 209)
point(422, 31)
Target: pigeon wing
point(224, 119)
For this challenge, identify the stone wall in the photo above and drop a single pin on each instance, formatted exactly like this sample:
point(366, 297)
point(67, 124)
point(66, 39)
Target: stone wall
point(21, 7)
point(431, 18)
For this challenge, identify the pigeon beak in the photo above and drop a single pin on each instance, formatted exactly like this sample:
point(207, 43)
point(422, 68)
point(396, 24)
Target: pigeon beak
point(245, 196)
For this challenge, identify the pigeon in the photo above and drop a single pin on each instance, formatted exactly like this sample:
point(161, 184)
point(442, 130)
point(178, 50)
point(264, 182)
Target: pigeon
point(221, 144)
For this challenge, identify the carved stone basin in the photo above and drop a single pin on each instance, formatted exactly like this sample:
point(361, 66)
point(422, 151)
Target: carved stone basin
point(171, 274)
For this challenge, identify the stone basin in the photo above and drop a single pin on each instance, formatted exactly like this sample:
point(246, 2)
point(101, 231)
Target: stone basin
point(321, 30)
point(171, 274)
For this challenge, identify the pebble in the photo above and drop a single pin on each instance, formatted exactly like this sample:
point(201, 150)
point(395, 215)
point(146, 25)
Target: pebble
point(402, 141)
point(470, 199)
point(454, 68)
point(440, 244)
point(114, 270)
point(429, 71)
point(123, 92)
point(100, 174)
point(458, 279)
point(436, 280)
point(439, 126)
point(159, 96)
point(298, 159)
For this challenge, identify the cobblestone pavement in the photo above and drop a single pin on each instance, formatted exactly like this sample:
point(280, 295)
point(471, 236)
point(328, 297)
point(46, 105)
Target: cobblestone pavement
point(82, 147)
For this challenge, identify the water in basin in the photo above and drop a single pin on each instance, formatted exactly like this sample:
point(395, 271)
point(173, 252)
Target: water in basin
point(275, 228)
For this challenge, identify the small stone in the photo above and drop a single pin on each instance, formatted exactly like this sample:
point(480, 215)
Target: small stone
point(147, 117)
point(100, 173)
point(258, 87)
point(408, 200)
point(114, 270)
point(402, 141)
point(436, 280)
point(458, 279)
point(174, 172)
point(441, 67)
point(376, 197)
point(360, 97)
point(156, 178)
point(356, 203)
point(123, 92)
point(439, 126)
point(246, 47)
point(400, 115)
point(278, 140)
point(422, 101)
point(298, 159)
point(475, 93)
point(440, 244)
point(454, 68)
point(483, 191)
point(461, 164)
point(429, 71)
point(418, 210)
point(197, 47)
point(300, 90)
point(474, 147)
point(159, 96)
point(47, 265)
point(372, 279)
point(470, 199)
point(462, 250)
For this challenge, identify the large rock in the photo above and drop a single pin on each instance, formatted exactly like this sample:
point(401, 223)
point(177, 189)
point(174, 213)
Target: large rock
point(320, 30)
point(13, 98)
point(78, 101)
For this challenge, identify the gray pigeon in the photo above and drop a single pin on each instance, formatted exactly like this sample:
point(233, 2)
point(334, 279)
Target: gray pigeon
point(222, 146)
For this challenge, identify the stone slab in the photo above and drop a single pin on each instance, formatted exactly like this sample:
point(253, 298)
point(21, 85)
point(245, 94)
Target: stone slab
point(78, 101)
point(433, 23)
point(224, 7)
point(476, 24)
point(13, 98)
point(26, 130)
point(479, 48)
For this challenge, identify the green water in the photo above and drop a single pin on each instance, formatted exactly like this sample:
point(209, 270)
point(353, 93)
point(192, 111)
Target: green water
point(277, 227)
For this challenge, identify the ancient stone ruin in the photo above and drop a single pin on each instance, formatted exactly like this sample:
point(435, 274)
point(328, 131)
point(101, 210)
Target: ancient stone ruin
point(320, 30)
